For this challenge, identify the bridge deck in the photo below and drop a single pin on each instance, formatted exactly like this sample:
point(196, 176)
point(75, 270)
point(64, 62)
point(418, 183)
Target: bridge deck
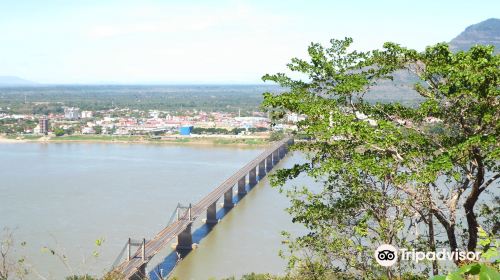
point(165, 236)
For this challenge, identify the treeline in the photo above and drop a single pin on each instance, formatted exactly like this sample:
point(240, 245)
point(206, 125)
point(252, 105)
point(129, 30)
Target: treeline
point(234, 131)
point(12, 126)
point(43, 100)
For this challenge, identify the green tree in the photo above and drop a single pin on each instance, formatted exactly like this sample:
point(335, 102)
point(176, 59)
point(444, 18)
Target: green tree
point(353, 157)
point(98, 129)
point(385, 171)
point(276, 135)
point(461, 90)
point(59, 131)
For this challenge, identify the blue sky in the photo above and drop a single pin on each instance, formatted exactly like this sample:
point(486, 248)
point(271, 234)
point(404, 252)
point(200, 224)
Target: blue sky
point(195, 41)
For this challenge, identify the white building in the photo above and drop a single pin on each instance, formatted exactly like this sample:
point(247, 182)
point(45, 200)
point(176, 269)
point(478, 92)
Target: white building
point(88, 130)
point(154, 114)
point(71, 113)
point(87, 114)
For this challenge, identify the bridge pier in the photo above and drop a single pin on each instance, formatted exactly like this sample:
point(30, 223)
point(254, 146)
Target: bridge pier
point(252, 177)
point(282, 152)
point(275, 157)
point(262, 169)
point(212, 214)
point(241, 186)
point(143, 252)
point(269, 163)
point(185, 239)
point(129, 249)
point(228, 198)
point(140, 274)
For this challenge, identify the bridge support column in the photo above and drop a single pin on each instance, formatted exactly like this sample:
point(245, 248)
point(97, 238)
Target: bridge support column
point(262, 169)
point(143, 253)
point(269, 162)
point(275, 157)
point(212, 214)
point(252, 177)
point(282, 152)
point(241, 186)
point(228, 199)
point(140, 274)
point(185, 239)
point(129, 249)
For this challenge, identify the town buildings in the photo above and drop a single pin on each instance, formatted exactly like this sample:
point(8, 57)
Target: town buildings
point(87, 114)
point(43, 123)
point(124, 121)
point(71, 113)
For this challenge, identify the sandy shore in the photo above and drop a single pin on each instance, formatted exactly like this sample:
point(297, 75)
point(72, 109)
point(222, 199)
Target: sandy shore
point(7, 140)
point(195, 141)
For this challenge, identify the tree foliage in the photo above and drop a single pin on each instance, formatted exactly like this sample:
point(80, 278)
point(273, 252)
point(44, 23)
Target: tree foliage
point(11, 265)
point(59, 131)
point(462, 91)
point(388, 170)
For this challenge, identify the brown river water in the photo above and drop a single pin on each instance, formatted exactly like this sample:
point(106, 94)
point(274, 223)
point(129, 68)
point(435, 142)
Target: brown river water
point(64, 196)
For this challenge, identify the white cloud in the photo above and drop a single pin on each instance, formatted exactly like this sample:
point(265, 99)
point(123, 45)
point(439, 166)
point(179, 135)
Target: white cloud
point(185, 19)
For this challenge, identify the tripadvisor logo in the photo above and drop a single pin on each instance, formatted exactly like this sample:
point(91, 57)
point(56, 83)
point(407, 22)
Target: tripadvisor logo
point(387, 255)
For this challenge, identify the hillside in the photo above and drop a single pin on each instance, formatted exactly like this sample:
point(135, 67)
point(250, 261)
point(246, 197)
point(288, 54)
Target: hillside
point(401, 89)
point(485, 33)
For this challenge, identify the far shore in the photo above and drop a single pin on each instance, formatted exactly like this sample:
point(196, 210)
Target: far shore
point(246, 141)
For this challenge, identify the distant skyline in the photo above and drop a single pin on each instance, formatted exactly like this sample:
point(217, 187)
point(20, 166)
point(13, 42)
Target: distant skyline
point(195, 41)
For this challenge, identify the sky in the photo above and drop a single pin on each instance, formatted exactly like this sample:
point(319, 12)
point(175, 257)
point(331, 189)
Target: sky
point(202, 41)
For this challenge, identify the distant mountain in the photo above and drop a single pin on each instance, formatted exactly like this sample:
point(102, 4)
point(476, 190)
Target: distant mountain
point(15, 81)
point(484, 33)
point(401, 88)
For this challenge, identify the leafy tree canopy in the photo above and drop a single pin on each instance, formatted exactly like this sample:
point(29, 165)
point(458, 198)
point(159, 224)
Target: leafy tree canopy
point(389, 170)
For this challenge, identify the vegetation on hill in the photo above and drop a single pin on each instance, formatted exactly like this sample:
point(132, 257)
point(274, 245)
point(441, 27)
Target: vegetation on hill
point(244, 99)
point(209, 98)
point(400, 87)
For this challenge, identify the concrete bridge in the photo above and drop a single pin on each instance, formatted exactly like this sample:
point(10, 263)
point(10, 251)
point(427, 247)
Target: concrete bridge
point(134, 267)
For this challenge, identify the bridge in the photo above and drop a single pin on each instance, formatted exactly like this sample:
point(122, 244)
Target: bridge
point(134, 267)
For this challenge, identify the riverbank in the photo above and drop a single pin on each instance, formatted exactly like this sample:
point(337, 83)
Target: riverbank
point(183, 140)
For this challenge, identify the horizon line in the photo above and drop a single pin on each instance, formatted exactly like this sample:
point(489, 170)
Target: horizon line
point(139, 84)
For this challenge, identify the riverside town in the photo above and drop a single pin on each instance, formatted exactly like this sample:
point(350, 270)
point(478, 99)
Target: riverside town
point(249, 140)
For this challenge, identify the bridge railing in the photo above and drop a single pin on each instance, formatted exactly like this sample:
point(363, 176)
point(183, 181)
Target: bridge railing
point(216, 194)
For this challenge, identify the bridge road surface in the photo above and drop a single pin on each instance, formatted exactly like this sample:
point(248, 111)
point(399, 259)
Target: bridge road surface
point(129, 268)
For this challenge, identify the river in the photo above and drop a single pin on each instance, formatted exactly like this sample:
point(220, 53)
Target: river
point(65, 196)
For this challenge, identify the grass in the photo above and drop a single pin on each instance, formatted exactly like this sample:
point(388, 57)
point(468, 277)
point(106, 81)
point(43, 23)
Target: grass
point(97, 138)
point(23, 137)
point(182, 140)
point(224, 141)
point(256, 141)
point(31, 137)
